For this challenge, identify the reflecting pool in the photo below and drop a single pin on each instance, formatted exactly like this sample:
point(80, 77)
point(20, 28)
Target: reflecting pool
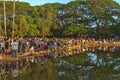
point(94, 63)
point(102, 63)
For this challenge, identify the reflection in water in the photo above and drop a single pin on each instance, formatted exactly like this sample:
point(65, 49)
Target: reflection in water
point(102, 63)
point(94, 63)
point(92, 57)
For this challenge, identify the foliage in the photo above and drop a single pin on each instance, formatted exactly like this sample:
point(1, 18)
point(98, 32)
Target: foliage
point(76, 29)
point(55, 18)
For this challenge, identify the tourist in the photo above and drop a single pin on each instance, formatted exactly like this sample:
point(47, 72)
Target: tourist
point(14, 48)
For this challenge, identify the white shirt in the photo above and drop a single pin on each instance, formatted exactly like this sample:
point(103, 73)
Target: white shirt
point(14, 45)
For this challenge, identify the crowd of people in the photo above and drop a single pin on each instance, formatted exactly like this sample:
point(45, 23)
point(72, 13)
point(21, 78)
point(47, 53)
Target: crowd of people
point(21, 45)
point(16, 45)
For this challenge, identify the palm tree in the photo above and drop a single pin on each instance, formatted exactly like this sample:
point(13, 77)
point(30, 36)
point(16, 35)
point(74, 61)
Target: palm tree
point(13, 18)
point(5, 34)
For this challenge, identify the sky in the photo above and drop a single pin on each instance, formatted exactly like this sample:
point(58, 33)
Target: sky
point(41, 2)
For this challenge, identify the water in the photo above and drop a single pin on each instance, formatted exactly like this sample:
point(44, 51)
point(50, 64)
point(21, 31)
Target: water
point(100, 64)
point(94, 63)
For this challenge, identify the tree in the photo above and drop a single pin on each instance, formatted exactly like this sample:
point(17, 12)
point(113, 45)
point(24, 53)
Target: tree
point(103, 14)
point(4, 18)
point(56, 18)
point(22, 27)
point(75, 29)
point(13, 18)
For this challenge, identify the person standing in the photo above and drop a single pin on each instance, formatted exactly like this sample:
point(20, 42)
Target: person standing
point(2, 46)
point(14, 48)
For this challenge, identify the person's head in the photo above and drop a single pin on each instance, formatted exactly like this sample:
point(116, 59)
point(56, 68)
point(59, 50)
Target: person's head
point(14, 40)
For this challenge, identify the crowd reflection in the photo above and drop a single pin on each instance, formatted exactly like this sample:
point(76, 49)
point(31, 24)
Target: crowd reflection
point(94, 60)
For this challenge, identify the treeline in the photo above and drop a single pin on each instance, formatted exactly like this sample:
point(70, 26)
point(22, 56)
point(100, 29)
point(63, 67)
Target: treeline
point(54, 19)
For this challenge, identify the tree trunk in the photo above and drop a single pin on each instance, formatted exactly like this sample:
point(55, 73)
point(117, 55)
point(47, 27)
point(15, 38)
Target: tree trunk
point(13, 18)
point(5, 33)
